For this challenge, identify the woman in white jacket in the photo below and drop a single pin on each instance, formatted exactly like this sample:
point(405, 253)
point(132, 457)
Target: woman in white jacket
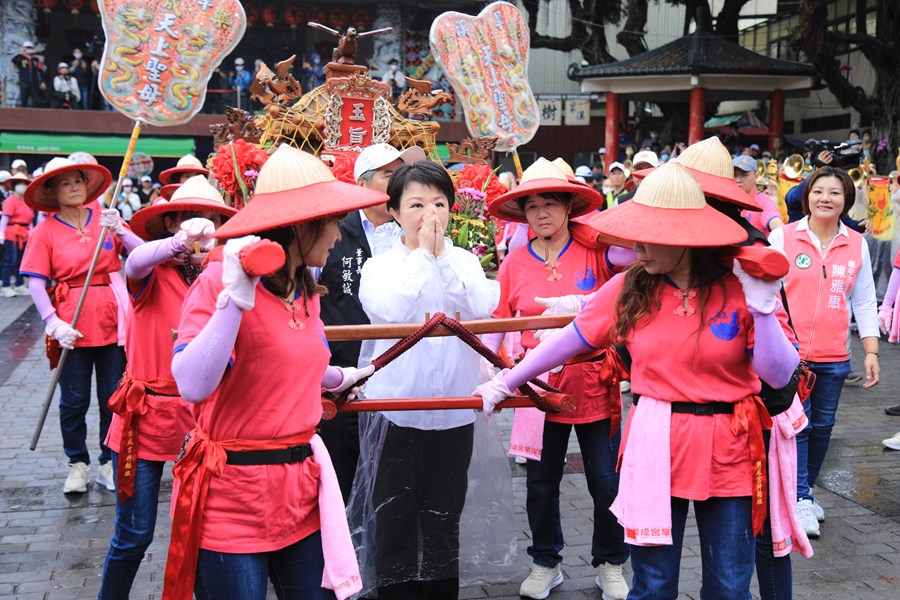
point(413, 464)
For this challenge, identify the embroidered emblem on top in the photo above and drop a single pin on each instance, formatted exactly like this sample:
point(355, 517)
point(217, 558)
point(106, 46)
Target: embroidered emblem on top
point(803, 261)
point(585, 280)
point(725, 326)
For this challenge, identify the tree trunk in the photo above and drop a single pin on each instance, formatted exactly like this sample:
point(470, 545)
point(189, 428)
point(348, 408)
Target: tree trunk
point(727, 20)
point(632, 35)
point(815, 39)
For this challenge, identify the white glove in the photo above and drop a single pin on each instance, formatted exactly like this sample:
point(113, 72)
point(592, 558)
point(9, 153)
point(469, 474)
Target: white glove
point(885, 318)
point(759, 293)
point(62, 332)
point(109, 218)
point(493, 392)
point(559, 305)
point(351, 376)
point(239, 286)
point(195, 230)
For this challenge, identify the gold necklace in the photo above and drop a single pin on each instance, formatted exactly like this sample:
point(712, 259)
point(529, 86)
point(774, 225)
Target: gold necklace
point(80, 229)
point(551, 266)
point(293, 307)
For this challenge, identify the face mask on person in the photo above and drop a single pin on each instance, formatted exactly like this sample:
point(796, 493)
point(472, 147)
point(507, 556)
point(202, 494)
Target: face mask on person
point(239, 68)
point(393, 68)
point(20, 188)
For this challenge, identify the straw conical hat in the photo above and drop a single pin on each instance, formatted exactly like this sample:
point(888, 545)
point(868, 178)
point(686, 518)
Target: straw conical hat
point(563, 166)
point(194, 195)
point(711, 164)
point(186, 164)
point(544, 177)
point(167, 191)
point(669, 209)
point(40, 196)
point(10, 181)
point(295, 186)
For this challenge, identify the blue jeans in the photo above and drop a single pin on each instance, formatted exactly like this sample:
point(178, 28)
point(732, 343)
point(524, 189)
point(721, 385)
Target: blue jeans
point(295, 572)
point(75, 396)
point(12, 260)
point(599, 453)
point(726, 552)
point(821, 409)
point(135, 523)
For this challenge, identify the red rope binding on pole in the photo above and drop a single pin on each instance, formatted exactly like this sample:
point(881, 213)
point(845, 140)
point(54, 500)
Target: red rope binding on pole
point(469, 338)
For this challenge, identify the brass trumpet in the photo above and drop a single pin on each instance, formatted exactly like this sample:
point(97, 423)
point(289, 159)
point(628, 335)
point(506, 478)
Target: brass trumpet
point(857, 175)
point(793, 166)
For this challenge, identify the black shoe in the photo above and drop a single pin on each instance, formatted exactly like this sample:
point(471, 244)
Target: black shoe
point(893, 411)
point(853, 378)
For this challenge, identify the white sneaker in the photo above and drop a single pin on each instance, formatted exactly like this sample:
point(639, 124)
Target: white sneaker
point(893, 442)
point(520, 460)
point(625, 387)
point(611, 581)
point(21, 290)
point(540, 582)
point(808, 518)
point(105, 477)
point(818, 511)
point(7, 292)
point(76, 482)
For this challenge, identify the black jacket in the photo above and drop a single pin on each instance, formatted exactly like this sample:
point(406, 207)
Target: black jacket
point(341, 275)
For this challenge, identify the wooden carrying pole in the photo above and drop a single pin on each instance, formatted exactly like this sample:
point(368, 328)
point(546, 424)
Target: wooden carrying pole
point(346, 333)
point(84, 290)
point(336, 333)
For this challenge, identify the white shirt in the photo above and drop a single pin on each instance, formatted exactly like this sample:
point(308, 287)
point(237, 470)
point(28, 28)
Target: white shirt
point(862, 298)
point(63, 86)
point(382, 237)
point(400, 286)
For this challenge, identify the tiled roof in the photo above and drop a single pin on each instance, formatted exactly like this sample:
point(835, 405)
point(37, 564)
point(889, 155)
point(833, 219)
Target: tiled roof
point(697, 54)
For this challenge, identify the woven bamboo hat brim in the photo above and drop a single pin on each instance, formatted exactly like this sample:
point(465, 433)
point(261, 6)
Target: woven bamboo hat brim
point(295, 186)
point(186, 164)
point(711, 164)
point(40, 196)
point(540, 178)
point(194, 195)
point(669, 209)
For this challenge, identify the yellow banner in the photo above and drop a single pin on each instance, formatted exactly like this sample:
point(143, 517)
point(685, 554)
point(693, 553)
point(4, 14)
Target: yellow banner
point(784, 186)
point(880, 213)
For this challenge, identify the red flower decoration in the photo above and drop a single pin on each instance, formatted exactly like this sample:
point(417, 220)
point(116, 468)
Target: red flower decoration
point(475, 176)
point(249, 158)
point(342, 169)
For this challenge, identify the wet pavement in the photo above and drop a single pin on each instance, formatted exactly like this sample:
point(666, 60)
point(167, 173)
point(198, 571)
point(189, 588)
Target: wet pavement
point(53, 546)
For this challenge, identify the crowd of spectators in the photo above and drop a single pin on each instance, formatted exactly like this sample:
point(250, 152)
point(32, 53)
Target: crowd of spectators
point(73, 84)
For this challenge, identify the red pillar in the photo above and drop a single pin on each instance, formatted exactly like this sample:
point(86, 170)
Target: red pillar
point(776, 117)
point(698, 114)
point(612, 128)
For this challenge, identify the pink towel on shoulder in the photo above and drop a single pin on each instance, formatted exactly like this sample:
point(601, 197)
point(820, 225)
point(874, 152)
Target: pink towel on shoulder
point(894, 333)
point(643, 505)
point(341, 572)
point(123, 304)
point(788, 534)
point(527, 437)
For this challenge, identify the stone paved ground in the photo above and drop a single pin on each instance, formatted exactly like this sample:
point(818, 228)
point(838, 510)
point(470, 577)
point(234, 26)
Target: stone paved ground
point(53, 547)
